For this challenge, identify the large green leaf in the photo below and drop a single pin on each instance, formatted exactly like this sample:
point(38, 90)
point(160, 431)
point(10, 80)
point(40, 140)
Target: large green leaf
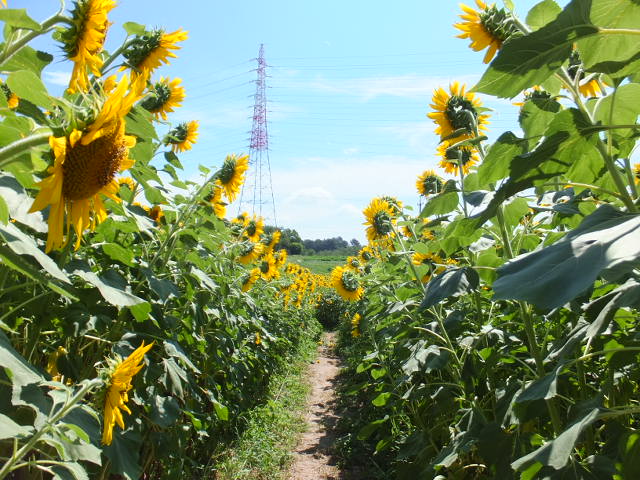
point(529, 60)
point(18, 18)
point(607, 244)
point(10, 429)
point(27, 84)
point(609, 53)
point(444, 202)
point(19, 203)
point(452, 283)
point(542, 13)
point(164, 411)
point(27, 59)
point(496, 164)
point(555, 453)
point(112, 286)
point(541, 389)
point(23, 244)
point(620, 108)
point(535, 117)
point(124, 454)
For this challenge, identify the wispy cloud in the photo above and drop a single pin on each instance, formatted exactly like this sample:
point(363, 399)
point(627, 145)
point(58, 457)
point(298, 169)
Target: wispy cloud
point(57, 77)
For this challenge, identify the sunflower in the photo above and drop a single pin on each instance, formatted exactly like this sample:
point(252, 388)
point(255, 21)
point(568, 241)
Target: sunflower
point(147, 52)
point(254, 229)
point(215, 199)
point(353, 264)
point(270, 241)
point(12, 99)
point(588, 85)
point(249, 279)
point(183, 136)
point(355, 325)
point(119, 384)
point(433, 261)
point(457, 113)
point(489, 27)
point(429, 183)
point(242, 219)
point(83, 40)
point(380, 219)
point(163, 97)
point(250, 253)
point(346, 283)
point(636, 172)
point(590, 88)
point(156, 213)
point(127, 182)
point(85, 168)
point(268, 268)
point(231, 175)
point(453, 157)
point(258, 339)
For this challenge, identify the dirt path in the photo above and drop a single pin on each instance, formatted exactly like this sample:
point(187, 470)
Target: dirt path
point(313, 457)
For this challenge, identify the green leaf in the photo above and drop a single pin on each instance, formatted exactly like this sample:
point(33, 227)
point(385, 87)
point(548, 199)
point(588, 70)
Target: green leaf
point(18, 18)
point(139, 123)
point(529, 60)
point(541, 389)
point(140, 311)
point(124, 454)
point(452, 283)
point(173, 377)
point(69, 471)
point(382, 399)
point(542, 14)
point(535, 116)
point(425, 357)
point(118, 253)
point(111, 285)
point(173, 349)
point(133, 28)
point(626, 109)
point(607, 244)
point(10, 429)
point(26, 84)
point(222, 411)
point(440, 204)
point(27, 59)
point(4, 212)
point(173, 159)
point(630, 446)
point(23, 244)
point(164, 411)
point(19, 203)
point(515, 210)
point(556, 453)
point(609, 53)
point(496, 164)
point(366, 431)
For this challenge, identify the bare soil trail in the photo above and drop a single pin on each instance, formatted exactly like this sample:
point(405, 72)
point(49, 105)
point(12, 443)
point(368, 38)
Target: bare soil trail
point(314, 457)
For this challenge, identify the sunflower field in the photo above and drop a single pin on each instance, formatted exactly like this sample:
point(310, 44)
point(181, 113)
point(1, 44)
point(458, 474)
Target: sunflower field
point(495, 334)
point(137, 324)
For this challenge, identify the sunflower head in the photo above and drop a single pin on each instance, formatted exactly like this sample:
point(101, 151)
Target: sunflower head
point(250, 278)
point(268, 268)
point(433, 261)
point(147, 52)
point(250, 252)
point(355, 325)
point(254, 228)
point(429, 183)
point(163, 97)
point(458, 114)
point(353, 264)
point(183, 136)
point(454, 157)
point(588, 85)
point(488, 27)
point(346, 283)
point(366, 254)
point(231, 174)
point(12, 99)
point(83, 39)
point(636, 172)
point(242, 219)
point(380, 219)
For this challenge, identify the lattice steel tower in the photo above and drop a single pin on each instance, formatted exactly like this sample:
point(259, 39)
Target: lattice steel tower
point(256, 196)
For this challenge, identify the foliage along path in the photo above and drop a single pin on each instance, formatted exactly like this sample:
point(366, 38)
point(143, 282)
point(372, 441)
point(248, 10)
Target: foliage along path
point(313, 457)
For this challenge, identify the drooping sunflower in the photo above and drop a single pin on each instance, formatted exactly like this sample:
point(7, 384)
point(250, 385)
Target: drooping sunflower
point(242, 219)
point(85, 168)
point(147, 52)
point(119, 384)
point(636, 173)
point(12, 99)
point(156, 213)
point(355, 325)
point(183, 136)
point(250, 253)
point(489, 27)
point(353, 264)
point(429, 183)
point(281, 258)
point(433, 261)
point(231, 175)
point(163, 97)
point(271, 240)
point(83, 40)
point(454, 157)
point(215, 199)
point(588, 85)
point(250, 278)
point(380, 219)
point(268, 268)
point(346, 283)
point(457, 111)
point(254, 228)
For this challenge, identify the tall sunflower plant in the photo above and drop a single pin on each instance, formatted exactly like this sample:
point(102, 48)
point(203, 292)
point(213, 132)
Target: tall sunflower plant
point(497, 335)
point(131, 335)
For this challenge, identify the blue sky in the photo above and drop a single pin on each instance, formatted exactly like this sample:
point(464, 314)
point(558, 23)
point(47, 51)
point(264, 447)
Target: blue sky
point(350, 84)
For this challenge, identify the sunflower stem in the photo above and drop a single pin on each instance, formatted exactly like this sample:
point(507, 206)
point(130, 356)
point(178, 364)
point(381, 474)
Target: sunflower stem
point(464, 200)
point(8, 153)
point(405, 254)
point(23, 40)
point(114, 55)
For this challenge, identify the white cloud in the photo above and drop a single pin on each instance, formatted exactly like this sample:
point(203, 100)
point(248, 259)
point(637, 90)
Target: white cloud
point(57, 78)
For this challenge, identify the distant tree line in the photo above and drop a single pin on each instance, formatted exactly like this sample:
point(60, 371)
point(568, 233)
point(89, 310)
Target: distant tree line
point(290, 240)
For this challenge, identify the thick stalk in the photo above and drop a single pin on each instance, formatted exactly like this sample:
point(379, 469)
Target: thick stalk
point(8, 153)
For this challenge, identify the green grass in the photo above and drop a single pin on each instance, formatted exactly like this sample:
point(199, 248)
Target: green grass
point(263, 451)
point(318, 263)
